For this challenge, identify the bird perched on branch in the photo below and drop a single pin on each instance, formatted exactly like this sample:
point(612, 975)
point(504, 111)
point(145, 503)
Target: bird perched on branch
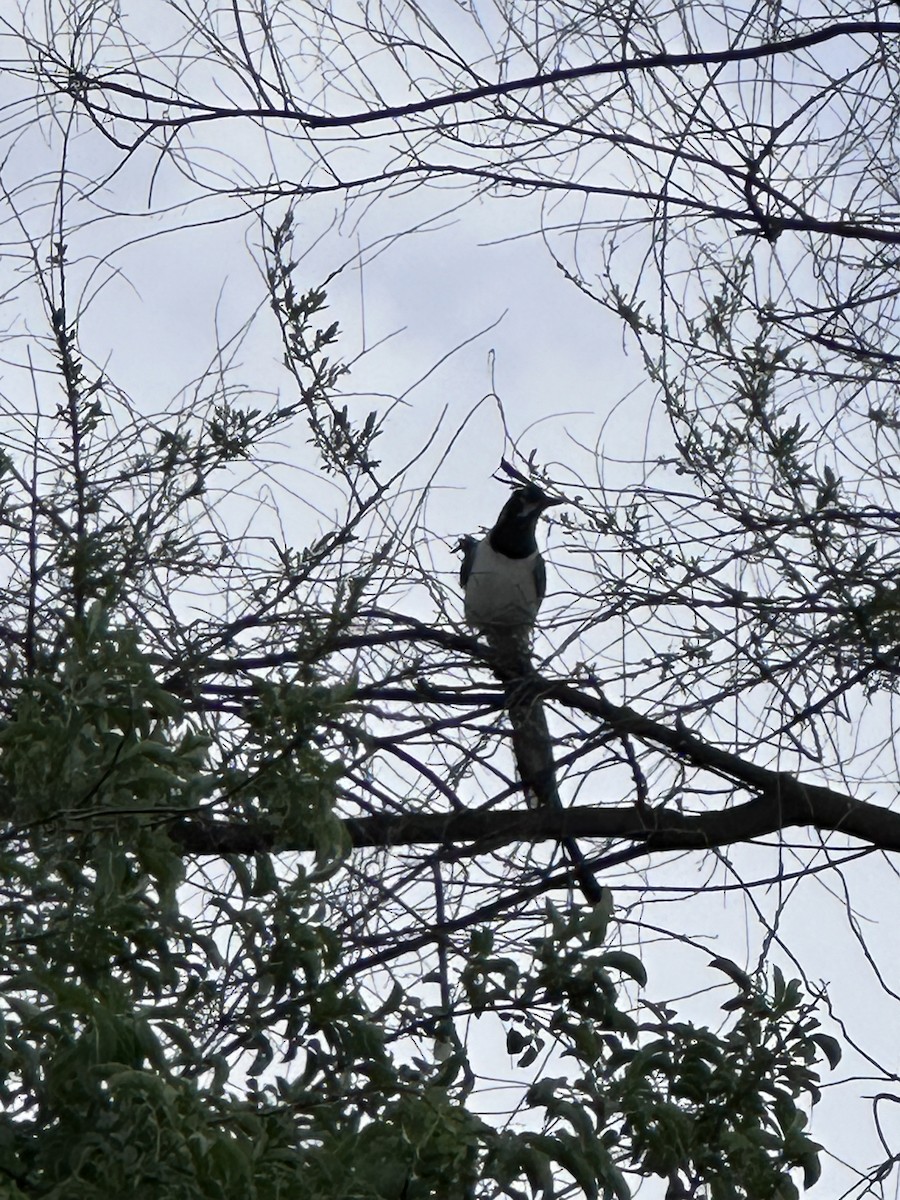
point(505, 580)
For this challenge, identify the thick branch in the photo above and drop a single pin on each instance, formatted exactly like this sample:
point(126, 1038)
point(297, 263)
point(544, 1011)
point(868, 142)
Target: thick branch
point(788, 804)
point(780, 801)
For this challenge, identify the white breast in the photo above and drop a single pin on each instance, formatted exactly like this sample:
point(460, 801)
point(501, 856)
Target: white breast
point(501, 590)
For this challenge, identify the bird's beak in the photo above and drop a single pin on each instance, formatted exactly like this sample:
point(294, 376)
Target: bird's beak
point(551, 502)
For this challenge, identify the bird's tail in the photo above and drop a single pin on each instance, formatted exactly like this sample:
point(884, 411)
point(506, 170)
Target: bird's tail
point(532, 745)
point(532, 748)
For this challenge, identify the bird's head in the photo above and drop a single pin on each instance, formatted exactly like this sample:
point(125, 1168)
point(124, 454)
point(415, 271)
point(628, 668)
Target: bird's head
point(526, 504)
point(513, 533)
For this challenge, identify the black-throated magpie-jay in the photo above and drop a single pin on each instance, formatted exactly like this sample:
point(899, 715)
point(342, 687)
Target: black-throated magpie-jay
point(503, 574)
point(505, 580)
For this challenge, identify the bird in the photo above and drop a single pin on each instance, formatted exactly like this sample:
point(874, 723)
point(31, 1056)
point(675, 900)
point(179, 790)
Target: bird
point(504, 580)
point(503, 575)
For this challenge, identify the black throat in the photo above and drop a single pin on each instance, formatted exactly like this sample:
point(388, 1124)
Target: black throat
point(514, 537)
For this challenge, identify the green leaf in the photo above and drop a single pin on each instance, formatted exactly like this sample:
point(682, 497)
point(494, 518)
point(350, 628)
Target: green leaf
point(734, 972)
point(614, 1178)
point(515, 1042)
point(539, 1172)
point(829, 1046)
point(628, 964)
point(812, 1168)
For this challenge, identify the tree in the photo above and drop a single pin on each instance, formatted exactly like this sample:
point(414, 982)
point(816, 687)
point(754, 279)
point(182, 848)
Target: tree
point(258, 799)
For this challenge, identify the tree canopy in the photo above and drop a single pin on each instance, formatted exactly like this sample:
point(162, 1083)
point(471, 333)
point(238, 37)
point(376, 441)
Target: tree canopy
point(276, 918)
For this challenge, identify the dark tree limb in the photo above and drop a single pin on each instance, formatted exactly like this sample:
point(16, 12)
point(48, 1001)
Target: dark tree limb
point(779, 801)
point(86, 87)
